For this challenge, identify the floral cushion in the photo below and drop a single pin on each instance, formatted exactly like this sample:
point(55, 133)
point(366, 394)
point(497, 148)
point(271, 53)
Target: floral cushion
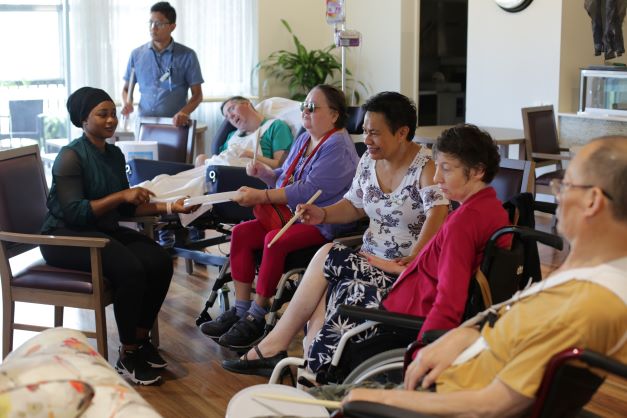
point(60, 353)
point(56, 398)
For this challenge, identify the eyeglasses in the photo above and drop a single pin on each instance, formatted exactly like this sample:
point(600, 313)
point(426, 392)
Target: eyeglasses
point(311, 107)
point(157, 24)
point(558, 186)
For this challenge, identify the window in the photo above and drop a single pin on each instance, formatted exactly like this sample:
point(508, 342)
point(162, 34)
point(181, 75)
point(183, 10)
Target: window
point(100, 37)
point(32, 77)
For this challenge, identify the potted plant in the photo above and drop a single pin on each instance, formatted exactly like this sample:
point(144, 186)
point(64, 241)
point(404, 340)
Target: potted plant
point(303, 69)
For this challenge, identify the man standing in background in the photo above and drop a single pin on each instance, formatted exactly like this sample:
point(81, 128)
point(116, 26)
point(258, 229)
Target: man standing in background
point(164, 70)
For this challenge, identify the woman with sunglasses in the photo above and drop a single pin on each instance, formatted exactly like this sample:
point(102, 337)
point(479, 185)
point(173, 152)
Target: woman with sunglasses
point(322, 158)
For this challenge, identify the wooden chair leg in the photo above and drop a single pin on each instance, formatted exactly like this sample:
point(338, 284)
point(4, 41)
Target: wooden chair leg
point(8, 312)
point(154, 333)
point(58, 316)
point(101, 332)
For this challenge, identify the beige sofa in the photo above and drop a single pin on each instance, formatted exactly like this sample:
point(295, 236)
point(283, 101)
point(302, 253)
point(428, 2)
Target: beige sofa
point(57, 373)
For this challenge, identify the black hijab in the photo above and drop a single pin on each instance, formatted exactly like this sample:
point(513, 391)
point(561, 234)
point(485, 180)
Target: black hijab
point(82, 101)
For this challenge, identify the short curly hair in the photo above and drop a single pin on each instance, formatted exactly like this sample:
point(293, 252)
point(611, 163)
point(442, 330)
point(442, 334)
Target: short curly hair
point(472, 146)
point(397, 109)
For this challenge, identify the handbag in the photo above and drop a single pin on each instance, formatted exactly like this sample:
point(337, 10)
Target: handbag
point(271, 215)
point(276, 215)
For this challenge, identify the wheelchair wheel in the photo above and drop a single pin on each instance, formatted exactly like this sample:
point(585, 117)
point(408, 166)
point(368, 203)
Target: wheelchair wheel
point(386, 367)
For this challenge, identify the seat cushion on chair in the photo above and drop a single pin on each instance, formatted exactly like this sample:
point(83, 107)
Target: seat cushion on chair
point(545, 179)
point(39, 275)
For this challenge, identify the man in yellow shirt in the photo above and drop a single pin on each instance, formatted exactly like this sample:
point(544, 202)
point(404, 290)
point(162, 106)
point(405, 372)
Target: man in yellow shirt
point(495, 371)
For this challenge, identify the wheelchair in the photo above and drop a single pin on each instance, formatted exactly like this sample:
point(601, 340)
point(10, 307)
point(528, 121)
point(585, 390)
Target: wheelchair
point(564, 391)
point(380, 358)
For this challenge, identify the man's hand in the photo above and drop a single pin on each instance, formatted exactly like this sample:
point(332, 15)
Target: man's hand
point(389, 266)
point(258, 169)
point(127, 109)
point(180, 119)
point(433, 359)
point(136, 195)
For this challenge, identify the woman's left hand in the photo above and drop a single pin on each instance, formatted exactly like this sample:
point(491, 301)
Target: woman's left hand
point(247, 196)
point(178, 207)
point(389, 266)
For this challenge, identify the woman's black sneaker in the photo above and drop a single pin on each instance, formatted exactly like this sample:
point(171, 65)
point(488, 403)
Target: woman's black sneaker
point(136, 369)
point(150, 353)
point(220, 325)
point(244, 333)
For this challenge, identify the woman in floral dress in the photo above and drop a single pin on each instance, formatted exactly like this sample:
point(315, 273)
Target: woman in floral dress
point(394, 187)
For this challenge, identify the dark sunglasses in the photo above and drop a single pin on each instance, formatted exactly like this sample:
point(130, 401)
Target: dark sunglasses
point(311, 107)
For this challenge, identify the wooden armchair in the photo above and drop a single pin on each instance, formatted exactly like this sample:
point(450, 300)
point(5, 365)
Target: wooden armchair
point(23, 194)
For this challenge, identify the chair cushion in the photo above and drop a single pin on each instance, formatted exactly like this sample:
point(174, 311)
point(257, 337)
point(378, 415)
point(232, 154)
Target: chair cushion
point(39, 275)
point(546, 178)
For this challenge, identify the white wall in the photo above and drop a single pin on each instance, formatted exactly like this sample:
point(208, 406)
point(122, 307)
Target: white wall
point(387, 59)
point(513, 60)
point(307, 20)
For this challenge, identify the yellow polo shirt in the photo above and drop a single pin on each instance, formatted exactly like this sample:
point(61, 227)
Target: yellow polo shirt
point(577, 313)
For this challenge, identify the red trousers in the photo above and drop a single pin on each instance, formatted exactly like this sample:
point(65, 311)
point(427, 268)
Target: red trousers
point(250, 237)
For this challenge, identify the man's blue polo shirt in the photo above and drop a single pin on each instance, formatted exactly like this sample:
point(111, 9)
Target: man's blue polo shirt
point(163, 77)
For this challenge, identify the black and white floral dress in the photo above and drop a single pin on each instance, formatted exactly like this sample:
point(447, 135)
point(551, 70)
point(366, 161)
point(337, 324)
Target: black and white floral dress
point(396, 220)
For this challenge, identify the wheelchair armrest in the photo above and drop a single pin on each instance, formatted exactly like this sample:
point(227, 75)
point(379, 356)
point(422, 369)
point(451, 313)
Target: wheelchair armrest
point(388, 318)
point(364, 409)
point(430, 336)
point(138, 170)
point(530, 233)
point(349, 241)
point(65, 241)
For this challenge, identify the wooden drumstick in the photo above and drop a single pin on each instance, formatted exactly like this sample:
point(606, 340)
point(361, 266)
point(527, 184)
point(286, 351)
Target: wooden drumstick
point(256, 146)
point(326, 404)
point(291, 221)
point(129, 96)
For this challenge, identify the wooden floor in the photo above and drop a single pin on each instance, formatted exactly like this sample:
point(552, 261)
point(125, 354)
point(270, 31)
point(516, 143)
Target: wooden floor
point(195, 385)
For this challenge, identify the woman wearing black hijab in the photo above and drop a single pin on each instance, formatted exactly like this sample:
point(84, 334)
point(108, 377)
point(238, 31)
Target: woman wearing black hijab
point(89, 194)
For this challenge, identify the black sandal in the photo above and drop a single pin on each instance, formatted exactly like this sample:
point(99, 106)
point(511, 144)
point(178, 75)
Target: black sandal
point(263, 366)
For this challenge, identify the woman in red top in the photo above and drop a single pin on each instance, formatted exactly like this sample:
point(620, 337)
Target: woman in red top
point(434, 285)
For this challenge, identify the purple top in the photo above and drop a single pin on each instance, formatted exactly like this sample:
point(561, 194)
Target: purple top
point(331, 170)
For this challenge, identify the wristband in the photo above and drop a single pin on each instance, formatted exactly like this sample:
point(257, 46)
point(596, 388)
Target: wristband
point(324, 217)
point(168, 208)
point(268, 197)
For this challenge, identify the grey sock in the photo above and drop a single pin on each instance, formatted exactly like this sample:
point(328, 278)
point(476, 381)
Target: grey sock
point(241, 307)
point(257, 311)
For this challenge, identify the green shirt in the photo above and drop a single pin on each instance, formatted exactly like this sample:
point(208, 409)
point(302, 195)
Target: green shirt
point(278, 137)
point(81, 173)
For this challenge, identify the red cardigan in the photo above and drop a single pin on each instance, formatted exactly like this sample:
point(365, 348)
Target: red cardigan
point(435, 285)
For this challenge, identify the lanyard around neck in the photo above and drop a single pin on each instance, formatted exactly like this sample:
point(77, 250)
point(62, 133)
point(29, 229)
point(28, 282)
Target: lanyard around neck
point(292, 167)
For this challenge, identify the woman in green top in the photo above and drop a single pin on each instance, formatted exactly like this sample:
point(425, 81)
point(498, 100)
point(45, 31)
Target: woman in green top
point(89, 194)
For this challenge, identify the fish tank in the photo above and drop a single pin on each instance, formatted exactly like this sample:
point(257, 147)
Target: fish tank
point(603, 91)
